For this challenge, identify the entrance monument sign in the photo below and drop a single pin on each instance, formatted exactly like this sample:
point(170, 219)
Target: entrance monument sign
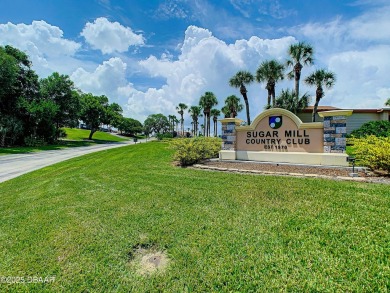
point(277, 135)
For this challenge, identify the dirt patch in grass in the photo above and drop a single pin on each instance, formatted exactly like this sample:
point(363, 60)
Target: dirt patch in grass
point(147, 259)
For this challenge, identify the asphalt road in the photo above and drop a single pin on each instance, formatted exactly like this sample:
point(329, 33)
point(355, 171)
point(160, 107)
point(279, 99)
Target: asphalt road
point(12, 166)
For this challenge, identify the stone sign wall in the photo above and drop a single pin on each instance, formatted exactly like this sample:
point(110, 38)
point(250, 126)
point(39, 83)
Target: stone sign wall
point(277, 135)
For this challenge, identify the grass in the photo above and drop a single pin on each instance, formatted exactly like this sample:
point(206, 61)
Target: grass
point(75, 138)
point(98, 136)
point(80, 221)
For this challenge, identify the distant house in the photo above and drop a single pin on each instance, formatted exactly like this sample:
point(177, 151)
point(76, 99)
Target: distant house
point(358, 118)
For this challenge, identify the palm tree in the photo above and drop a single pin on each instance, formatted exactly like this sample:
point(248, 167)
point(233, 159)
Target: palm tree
point(270, 71)
point(207, 101)
point(300, 54)
point(388, 102)
point(171, 123)
point(239, 80)
point(180, 109)
point(234, 105)
point(195, 112)
point(215, 113)
point(320, 78)
point(225, 111)
point(289, 101)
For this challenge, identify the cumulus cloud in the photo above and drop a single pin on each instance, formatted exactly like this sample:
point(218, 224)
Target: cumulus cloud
point(110, 37)
point(357, 51)
point(205, 63)
point(44, 43)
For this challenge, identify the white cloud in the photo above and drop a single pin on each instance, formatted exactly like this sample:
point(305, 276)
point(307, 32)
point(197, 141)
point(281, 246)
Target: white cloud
point(357, 52)
point(110, 37)
point(104, 80)
point(205, 64)
point(43, 42)
point(362, 78)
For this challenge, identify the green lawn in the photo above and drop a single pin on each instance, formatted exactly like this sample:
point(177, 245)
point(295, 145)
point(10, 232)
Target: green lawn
point(75, 138)
point(82, 221)
point(98, 136)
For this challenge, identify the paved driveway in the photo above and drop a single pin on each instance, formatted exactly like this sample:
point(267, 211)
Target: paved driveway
point(12, 166)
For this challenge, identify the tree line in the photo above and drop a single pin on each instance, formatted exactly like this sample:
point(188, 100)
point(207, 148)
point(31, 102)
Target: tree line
point(34, 111)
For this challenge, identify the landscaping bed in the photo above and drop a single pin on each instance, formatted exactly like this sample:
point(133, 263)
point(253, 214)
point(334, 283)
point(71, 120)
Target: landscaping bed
point(297, 170)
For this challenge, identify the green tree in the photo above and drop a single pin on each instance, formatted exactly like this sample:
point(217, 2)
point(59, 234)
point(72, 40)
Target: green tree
point(234, 105)
point(113, 115)
point(157, 123)
point(61, 90)
point(207, 101)
point(93, 111)
point(42, 114)
point(195, 112)
point(215, 113)
point(320, 78)
point(271, 72)
point(300, 54)
point(19, 86)
point(180, 109)
point(129, 126)
point(288, 100)
point(239, 80)
point(387, 102)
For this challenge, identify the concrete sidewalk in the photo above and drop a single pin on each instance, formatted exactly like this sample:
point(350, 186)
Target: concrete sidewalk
point(12, 166)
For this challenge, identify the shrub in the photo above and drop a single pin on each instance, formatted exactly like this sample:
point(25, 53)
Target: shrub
point(190, 151)
point(161, 136)
point(373, 152)
point(377, 128)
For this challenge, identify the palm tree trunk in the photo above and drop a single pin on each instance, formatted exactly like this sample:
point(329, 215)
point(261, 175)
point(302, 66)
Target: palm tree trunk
point(313, 118)
point(205, 124)
point(297, 69)
point(269, 98)
point(248, 118)
point(297, 86)
point(208, 125)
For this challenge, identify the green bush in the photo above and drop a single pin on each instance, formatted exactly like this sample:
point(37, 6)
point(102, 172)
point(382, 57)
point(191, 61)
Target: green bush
point(161, 136)
point(377, 128)
point(373, 152)
point(190, 151)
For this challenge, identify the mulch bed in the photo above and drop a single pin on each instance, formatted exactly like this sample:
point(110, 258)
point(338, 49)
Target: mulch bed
point(363, 174)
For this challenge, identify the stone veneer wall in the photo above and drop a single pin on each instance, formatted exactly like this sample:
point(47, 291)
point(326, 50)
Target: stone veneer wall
point(335, 131)
point(229, 133)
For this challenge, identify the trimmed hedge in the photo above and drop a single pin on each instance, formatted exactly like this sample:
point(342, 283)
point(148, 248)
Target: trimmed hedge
point(377, 128)
point(189, 151)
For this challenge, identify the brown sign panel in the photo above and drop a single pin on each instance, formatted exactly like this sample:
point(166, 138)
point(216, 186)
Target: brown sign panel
point(278, 130)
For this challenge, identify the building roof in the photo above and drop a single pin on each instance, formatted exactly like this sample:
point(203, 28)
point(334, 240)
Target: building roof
point(309, 109)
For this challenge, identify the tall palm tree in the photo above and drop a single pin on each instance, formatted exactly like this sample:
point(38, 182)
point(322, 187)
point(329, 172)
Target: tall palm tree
point(388, 102)
point(289, 101)
point(234, 105)
point(207, 101)
point(239, 80)
point(300, 54)
point(176, 121)
point(171, 123)
point(320, 78)
point(270, 71)
point(195, 112)
point(180, 109)
point(215, 113)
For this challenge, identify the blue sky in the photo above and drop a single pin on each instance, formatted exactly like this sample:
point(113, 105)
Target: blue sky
point(148, 56)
